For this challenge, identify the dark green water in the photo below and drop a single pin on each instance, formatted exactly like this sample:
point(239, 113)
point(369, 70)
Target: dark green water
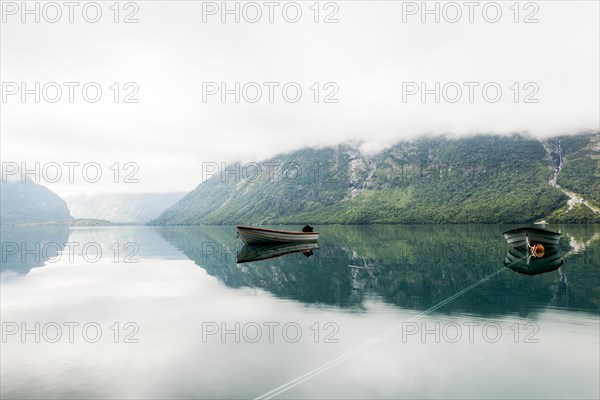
point(178, 318)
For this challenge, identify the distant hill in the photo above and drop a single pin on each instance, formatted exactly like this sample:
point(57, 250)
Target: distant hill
point(122, 207)
point(480, 179)
point(29, 202)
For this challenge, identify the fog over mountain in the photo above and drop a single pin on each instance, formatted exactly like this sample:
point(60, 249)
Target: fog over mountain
point(28, 202)
point(122, 207)
point(387, 77)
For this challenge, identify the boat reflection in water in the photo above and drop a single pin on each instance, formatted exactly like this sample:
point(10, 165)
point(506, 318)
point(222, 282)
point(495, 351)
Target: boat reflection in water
point(533, 250)
point(257, 252)
point(519, 260)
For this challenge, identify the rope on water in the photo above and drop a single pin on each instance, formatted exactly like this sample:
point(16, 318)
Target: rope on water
point(311, 374)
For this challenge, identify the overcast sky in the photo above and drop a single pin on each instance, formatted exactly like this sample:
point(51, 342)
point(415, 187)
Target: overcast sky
point(370, 57)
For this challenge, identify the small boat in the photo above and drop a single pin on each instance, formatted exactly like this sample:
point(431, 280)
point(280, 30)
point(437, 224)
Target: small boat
point(257, 252)
point(528, 236)
point(254, 235)
point(519, 260)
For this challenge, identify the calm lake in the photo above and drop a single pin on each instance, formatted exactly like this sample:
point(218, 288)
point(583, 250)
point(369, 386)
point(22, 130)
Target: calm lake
point(374, 312)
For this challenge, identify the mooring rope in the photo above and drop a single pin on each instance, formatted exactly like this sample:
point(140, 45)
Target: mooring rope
point(311, 374)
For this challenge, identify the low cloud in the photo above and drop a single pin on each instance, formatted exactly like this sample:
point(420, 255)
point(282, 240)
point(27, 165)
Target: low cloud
point(370, 78)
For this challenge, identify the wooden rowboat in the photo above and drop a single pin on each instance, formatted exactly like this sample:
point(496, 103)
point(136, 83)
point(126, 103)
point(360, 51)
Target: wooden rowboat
point(524, 236)
point(254, 235)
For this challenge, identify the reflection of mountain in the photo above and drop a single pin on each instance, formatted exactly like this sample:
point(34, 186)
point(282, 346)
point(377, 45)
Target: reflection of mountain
point(24, 248)
point(409, 266)
point(27, 202)
point(580, 246)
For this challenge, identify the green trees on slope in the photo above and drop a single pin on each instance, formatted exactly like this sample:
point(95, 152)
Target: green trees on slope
point(481, 179)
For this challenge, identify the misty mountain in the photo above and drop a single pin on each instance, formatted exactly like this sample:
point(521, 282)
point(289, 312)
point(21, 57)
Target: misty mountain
point(122, 207)
point(29, 202)
point(480, 179)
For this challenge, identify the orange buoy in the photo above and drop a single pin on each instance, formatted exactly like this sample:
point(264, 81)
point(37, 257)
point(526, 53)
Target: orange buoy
point(537, 250)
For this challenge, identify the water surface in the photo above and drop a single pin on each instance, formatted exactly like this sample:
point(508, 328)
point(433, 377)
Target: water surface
point(167, 313)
